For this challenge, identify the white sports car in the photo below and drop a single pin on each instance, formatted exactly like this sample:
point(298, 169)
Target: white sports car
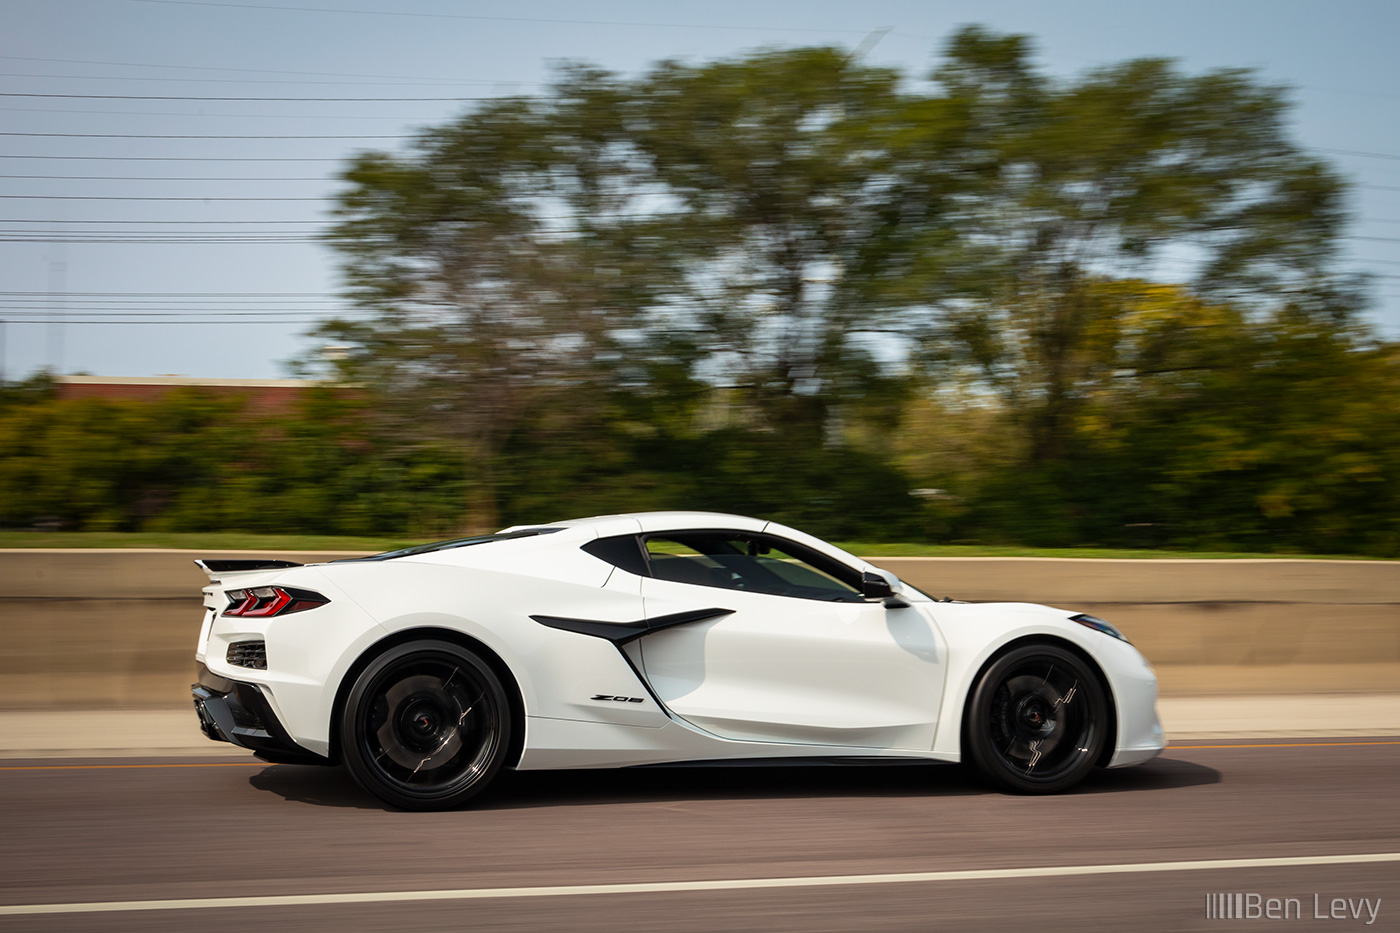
point(648, 639)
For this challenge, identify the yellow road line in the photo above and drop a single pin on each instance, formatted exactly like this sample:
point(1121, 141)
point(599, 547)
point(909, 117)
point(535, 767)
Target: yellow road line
point(202, 764)
point(1282, 745)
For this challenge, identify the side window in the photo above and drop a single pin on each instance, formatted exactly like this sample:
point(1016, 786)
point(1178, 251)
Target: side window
point(753, 563)
point(687, 561)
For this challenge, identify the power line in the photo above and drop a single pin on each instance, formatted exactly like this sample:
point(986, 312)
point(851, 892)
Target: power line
point(153, 236)
point(107, 314)
point(30, 220)
point(200, 136)
point(160, 323)
point(110, 314)
point(163, 240)
point(170, 177)
point(382, 81)
point(1367, 155)
point(157, 302)
point(1373, 155)
point(169, 294)
point(167, 238)
point(356, 100)
point(73, 158)
point(168, 311)
point(440, 80)
point(506, 19)
point(260, 71)
point(163, 79)
point(191, 113)
point(27, 220)
point(272, 308)
point(164, 304)
point(102, 236)
point(107, 197)
point(139, 241)
point(133, 305)
point(164, 178)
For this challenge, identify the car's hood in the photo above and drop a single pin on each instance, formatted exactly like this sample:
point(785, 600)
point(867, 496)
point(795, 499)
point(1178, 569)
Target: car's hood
point(971, 612)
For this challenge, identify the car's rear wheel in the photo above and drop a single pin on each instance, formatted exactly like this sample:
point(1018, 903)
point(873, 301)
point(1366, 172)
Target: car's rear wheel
point(1037, 720)
point(426, 726)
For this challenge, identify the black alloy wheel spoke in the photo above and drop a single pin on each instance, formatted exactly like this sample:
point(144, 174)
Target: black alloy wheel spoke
point(1035, 725)
point(419, 731)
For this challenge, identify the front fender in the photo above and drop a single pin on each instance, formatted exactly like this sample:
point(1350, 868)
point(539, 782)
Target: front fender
point(977, 633)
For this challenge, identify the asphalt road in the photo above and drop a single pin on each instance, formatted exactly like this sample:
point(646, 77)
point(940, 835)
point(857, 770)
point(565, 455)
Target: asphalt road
point(74, 832)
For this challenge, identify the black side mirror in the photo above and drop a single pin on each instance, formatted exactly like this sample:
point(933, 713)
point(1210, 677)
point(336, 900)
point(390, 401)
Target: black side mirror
point(874, 586)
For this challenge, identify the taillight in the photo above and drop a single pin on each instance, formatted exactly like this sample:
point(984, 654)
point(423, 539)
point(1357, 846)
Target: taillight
point(264, 601)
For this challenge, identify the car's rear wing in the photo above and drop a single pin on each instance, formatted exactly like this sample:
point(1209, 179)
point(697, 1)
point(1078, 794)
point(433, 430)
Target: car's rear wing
point(213, 567)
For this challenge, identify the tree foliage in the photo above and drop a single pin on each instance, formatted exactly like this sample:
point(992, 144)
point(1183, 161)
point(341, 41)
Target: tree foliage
point(195, 462)
point(1076, 185)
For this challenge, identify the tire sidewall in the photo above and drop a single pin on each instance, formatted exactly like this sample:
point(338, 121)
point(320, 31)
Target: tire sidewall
point(368, 776)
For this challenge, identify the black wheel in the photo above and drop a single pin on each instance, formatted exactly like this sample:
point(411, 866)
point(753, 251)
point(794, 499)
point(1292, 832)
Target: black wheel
point(426, 726)
point(1037, 720)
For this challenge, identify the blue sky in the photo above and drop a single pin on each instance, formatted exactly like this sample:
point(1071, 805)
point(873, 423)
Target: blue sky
point(1337, 58)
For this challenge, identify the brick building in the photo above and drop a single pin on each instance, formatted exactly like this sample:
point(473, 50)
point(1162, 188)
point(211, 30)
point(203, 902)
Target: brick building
point(263, 396)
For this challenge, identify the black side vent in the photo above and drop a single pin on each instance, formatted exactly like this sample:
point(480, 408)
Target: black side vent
point(250, 654)
point(624, 551)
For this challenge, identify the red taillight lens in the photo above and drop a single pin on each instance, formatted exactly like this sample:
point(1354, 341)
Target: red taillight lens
point(270, 601)
point(265, 601)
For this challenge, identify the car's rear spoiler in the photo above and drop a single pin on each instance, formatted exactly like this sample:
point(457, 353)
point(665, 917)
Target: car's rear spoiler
point(214, 566)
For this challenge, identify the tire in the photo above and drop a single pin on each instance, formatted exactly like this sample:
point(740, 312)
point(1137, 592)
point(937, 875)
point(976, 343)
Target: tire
point(426, 726)
point(1037, 720)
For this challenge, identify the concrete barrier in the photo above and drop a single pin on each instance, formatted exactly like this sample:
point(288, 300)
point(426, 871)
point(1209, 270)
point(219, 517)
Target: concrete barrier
point(1211, 627)
point(89, 628)
point(116, 628)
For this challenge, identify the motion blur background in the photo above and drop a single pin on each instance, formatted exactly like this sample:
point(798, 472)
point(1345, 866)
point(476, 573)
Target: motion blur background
point(1080, 276)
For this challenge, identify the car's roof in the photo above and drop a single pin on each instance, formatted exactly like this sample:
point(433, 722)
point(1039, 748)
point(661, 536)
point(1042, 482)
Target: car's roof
point(569, 534)
point(632, 522)
point(644, 522)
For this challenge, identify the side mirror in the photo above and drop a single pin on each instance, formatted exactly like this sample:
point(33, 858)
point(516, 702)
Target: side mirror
point(874, 586)
point(877, 586)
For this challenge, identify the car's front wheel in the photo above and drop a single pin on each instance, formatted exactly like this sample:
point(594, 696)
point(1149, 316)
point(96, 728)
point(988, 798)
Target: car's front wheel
point(426, 726)
point(1037, 720)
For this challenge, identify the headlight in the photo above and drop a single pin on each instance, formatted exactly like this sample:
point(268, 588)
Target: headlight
point(1098, 625)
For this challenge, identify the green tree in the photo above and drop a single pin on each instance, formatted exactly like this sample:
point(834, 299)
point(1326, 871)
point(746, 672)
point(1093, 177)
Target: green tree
point(192, 462)
point(1132, 169)
point(781, 165)
point(1293, 444)
point(504, 262)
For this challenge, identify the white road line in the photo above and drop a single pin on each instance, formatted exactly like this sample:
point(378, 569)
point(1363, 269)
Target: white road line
point(664, 887)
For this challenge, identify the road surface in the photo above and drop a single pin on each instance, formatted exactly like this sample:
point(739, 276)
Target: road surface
point(143, 844)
